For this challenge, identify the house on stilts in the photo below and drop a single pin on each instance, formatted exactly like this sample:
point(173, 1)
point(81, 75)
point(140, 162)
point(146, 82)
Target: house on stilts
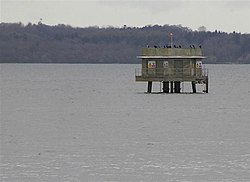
point(172, 66)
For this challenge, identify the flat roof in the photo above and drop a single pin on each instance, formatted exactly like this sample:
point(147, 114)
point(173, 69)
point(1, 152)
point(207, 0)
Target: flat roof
point(171, 57)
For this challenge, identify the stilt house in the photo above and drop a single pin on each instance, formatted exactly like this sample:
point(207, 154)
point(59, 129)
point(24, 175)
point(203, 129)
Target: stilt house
point(172, 66)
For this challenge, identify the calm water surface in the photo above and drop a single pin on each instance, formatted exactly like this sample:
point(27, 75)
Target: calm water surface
point(94, 123)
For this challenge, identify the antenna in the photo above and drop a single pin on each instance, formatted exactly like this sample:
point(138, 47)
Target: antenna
point(171, 38)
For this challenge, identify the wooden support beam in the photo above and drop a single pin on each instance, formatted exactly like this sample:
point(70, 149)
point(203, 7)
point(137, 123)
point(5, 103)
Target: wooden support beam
point(150, 86)
point(207, 85)
point(194, 87)
point(166, 87)
point(177, 87)
point(172, 87)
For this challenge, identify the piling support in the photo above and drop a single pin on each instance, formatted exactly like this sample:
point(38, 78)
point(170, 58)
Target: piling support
point(149, 86)
point(177, 87)
point(172, 87)
point(194, 87)
point(207, 85)
point(165, 87)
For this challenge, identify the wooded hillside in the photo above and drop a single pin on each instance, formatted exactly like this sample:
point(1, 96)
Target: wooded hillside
point(64, 44)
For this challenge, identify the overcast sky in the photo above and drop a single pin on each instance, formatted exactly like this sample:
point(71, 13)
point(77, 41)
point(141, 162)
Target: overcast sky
point(224, 15)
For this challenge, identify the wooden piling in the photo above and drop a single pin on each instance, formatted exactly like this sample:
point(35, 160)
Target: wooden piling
point(165, 87)
point(177, 87)
point(207, 85)
point(149, 86)
point(194, 87)
point(172, 87)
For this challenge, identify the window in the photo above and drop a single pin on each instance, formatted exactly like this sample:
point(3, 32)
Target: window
point(151, 64)
point(165, 64)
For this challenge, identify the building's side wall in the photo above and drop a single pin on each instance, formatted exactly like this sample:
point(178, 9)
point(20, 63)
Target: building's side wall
point(177, 65)
point(144, 67)
point(168, 67)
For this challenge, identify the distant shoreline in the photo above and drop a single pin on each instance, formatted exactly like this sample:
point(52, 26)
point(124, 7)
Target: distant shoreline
point(93, 45)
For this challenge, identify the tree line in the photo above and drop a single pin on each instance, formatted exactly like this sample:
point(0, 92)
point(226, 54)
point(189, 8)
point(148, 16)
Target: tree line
point(40, 43)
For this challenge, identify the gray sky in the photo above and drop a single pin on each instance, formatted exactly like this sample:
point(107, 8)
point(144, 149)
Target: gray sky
point(225, 15)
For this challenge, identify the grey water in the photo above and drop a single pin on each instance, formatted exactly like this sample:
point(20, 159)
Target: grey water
point(62, 122)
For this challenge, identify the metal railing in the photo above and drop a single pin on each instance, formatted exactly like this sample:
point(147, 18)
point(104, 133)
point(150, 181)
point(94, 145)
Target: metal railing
point(171, 72)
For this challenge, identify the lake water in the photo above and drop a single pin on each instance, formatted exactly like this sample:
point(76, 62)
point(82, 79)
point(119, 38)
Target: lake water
point(84, 122)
